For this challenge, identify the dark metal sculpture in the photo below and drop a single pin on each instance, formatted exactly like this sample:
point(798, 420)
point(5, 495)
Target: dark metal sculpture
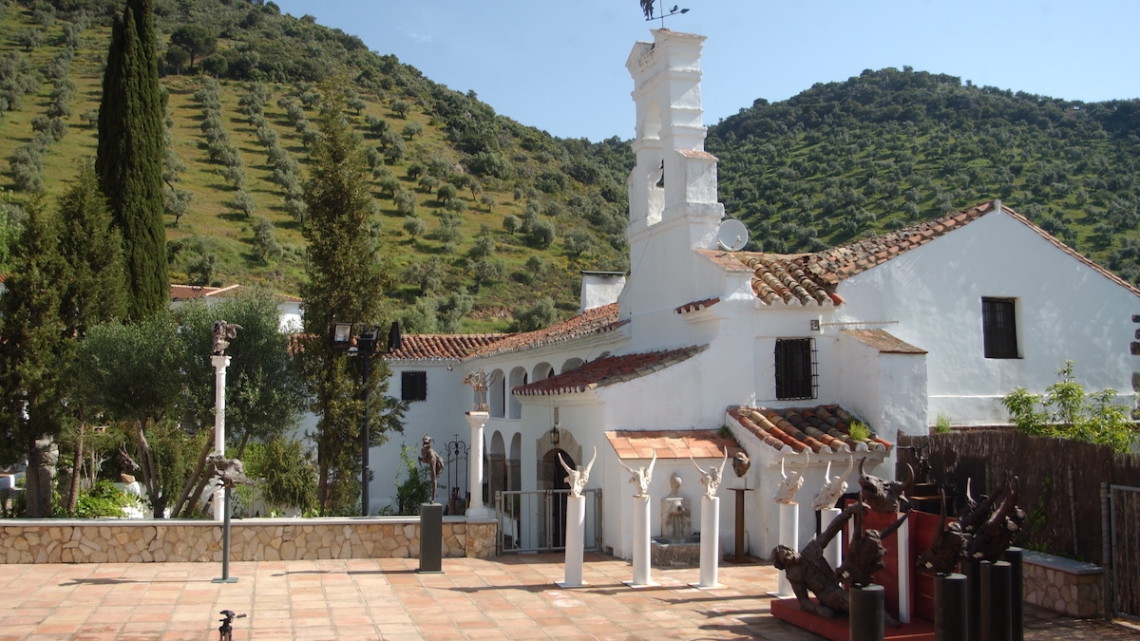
point(947, 549)
point(882, 495)
point(647, 8)
point(222, 332)
point(230, 471)
point(809, 572)
point(865, 551)
point(740, 463)
point(433, 461)
point(993, 534)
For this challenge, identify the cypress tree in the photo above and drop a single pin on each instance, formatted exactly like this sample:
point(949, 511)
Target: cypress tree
point(130, 154)
point(91, 248)
point(346, 278)
point(31, 355)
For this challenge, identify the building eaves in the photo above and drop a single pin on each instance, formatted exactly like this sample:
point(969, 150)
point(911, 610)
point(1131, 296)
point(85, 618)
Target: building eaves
point(822, 429)
point(442, 346)
point(883, 341)
point(672, 444)
point(597, 320)
point(608, 371)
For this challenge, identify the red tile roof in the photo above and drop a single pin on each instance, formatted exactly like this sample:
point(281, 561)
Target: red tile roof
point(442, 346)
point(883, 341)
point(607, 371)
point(822, 428)
point(186, 292)
point(672, 444)
point(590, 322)
point(697, 305)
point(812, 278)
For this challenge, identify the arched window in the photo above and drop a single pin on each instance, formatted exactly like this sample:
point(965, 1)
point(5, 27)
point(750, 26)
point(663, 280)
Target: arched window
point(514, 408)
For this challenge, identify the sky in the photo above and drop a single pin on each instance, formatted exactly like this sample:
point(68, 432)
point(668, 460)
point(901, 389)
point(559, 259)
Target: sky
point(560, 65)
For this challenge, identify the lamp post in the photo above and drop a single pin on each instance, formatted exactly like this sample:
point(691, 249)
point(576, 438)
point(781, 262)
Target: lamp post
point(364, 347)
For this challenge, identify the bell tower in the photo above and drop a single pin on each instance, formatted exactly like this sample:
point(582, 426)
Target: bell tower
point(673, 206)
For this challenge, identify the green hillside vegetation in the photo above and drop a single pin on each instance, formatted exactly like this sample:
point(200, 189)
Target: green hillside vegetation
point(479, 211)
point(486, 217)
point(888, 148)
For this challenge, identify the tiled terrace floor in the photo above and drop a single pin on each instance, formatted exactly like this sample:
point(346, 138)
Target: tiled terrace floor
point(386, 599)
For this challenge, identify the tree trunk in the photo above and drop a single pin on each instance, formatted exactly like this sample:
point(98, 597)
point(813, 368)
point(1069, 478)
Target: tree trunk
point(76, 464)
point(151, 476)
point(42, 458)
point(196, 483)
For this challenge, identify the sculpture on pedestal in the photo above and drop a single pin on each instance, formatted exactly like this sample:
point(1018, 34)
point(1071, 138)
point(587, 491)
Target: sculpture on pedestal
point(223, 331)
point(740, 463)
point(882, 495)
point(833, 487)
point(230, 471)
point(711, 477)
point(433, 461)
point(790, 483)
point(577, 478)
point(948, 547)
point(479, 381)
point(642, 476)
point(809, 572)
point(865, 551)
point(992, 534)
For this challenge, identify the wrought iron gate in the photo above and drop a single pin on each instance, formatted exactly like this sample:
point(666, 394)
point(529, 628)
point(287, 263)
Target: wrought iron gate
point(1124, 540)
point(535, 521)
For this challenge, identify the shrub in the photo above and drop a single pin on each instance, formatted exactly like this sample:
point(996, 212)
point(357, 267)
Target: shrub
point(1067, 411)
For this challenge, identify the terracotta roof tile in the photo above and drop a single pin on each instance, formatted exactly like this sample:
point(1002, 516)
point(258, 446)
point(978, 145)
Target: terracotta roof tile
point(697, 305)
point(883, 341)
point(811, 278)
point(607, 371)
point(672, 444)
point(186, 292)
point(822, 428)
point(597, 320)
point(442, 346)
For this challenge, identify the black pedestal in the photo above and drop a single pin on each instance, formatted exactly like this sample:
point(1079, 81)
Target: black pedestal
point(866, 619)
point(431, 538)
point(950, 611)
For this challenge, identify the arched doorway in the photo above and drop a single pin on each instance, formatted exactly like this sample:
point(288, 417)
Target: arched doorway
point(553, 477)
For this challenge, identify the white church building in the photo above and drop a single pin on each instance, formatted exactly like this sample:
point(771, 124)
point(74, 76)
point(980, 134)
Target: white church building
point(703, 347)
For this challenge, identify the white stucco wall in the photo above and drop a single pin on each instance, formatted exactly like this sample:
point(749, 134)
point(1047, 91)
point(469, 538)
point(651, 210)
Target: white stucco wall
point(1065, 310)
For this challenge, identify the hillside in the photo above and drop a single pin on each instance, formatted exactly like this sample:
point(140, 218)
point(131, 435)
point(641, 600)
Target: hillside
point(475, 208)
point(486, 216)
point(887, 148)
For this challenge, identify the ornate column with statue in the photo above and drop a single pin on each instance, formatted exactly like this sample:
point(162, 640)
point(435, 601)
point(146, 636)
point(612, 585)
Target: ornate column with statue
point(710, 523)
point(476, 420)
point(223, 332)
point(575, 521)
point(641, 477)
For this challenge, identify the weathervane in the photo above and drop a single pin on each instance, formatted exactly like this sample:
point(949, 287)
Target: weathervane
point(647, 9)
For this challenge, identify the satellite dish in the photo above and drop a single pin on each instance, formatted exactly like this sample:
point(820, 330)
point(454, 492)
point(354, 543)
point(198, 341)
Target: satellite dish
point(732, 235)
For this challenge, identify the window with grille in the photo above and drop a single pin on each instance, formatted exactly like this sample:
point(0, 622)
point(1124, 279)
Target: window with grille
point(999, 328)
point(413, 386)
point(795, 368)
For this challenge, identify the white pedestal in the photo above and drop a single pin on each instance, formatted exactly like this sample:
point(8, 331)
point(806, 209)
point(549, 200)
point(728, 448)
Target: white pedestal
point(476, 511)
point(833, 553)
point(220, 364)
point(710, 542)
point(905, 565)
point(789, 536)
point(575, 536)
point(641, 556)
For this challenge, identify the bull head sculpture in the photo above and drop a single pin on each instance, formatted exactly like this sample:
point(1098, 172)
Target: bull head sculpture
point(882, 495)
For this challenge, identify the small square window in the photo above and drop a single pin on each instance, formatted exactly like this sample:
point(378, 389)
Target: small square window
point(999, 328)
point(795, 368)
point(413, 386)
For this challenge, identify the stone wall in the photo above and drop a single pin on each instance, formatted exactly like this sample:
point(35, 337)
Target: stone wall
point(1063, 585)
point(153, 541)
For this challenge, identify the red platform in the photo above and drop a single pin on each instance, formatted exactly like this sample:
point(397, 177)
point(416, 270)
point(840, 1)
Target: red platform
point(837, 629)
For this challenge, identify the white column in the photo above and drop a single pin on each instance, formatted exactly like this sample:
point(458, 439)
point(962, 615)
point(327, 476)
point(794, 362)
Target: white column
point(905, 564)
point(710, 541)
point(642, 563)
point(575, 536)
point(475, 509)
point(833, 553)
point(220, 364)
point(789, 536)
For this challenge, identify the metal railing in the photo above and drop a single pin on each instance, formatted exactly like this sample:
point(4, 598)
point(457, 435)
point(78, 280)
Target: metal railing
point(535, 521)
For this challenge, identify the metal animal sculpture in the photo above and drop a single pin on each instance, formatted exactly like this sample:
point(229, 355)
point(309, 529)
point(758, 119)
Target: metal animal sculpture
point(865, 551)
point(740, 463)
point(230, 471)
point(223, 331)
point(809, 572)
point(883, 495)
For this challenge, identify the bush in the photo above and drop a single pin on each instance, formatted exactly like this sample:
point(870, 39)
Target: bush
point(1067, 411)
point(104, 500)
